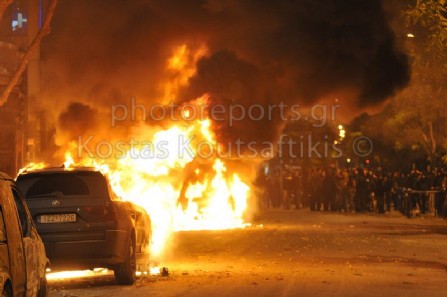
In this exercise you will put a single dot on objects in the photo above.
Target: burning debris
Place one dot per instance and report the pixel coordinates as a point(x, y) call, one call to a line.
point(164, 272)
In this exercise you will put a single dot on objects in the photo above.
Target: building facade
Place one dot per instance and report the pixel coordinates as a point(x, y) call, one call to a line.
point(19, 123)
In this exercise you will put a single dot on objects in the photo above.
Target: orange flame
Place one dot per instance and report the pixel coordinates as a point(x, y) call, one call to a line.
point(181, 66)
point(214, 199)
point(179, 188)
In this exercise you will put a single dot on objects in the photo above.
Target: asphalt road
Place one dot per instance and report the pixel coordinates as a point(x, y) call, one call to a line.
point(295, 253)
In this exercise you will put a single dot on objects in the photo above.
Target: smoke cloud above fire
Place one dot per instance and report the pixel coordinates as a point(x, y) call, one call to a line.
point(103, 52)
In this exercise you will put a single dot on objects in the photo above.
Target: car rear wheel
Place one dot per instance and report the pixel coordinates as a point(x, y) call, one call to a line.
point(125, 273)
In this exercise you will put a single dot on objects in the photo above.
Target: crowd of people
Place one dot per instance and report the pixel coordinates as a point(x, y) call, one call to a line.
point(357, 190)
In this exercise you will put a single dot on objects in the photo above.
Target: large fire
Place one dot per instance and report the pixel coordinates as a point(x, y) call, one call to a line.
point(179, 188)
point(177, 176)
point(207, 197)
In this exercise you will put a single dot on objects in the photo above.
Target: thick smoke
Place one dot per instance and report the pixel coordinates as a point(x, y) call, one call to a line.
point(260, 52)
point(77, 120)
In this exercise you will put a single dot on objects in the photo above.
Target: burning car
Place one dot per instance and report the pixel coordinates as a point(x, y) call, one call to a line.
point(22, 254)
point(84, 225)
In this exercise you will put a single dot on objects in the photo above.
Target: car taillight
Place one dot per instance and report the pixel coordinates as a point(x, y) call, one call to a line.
point(96, 211)
point(109, 213)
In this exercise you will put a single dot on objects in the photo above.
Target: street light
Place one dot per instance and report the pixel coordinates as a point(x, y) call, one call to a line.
point(341, 132)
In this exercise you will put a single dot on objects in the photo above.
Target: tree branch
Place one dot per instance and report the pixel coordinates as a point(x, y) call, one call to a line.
point(432, 138)
point(46, 28)
point(425, 142)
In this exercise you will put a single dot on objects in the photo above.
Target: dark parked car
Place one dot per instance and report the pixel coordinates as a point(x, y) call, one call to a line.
point(83, 224)
point(22, 255)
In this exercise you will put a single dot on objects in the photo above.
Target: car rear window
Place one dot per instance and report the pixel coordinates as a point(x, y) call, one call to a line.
point(67, 183)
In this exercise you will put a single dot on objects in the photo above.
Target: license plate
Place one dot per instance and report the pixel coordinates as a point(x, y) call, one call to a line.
point(58, 218)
